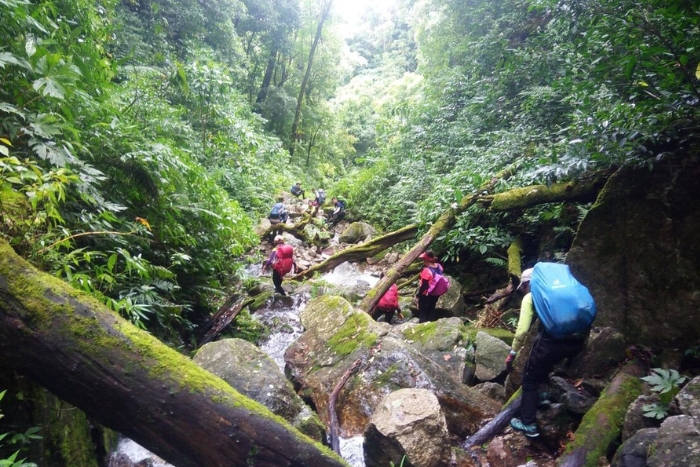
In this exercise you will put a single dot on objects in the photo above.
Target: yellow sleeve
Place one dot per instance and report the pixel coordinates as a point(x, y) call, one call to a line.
point(524, 322)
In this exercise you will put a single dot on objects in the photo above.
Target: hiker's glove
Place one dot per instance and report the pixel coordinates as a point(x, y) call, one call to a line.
point(509, 360)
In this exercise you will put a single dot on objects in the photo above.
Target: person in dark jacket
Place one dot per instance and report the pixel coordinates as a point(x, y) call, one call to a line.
point(281, 261)
point(338, 213)
point(278, 215)
point(297, 190)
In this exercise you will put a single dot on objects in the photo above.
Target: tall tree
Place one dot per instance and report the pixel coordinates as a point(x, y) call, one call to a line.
point(325, 11)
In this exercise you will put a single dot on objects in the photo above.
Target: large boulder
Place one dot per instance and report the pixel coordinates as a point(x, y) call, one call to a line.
point(336, 336)
point(677, 443)
point(451, 303)
point(638, 252)
point(254, 374)
point(604, 350)
point(490, 356)
point(356, 232)
point(407, 422)
point(634, 451)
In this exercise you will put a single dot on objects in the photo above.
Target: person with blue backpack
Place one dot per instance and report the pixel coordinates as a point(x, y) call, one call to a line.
point(278, 215)
point(433, 284)
point(566, 312)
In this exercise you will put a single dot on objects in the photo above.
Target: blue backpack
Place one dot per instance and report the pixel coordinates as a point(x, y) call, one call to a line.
point(277, 211)
point(321, 196)
point(564, 305)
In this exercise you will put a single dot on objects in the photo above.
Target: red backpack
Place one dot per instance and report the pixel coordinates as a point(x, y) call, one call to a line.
point(390, 300)
point(284, 260)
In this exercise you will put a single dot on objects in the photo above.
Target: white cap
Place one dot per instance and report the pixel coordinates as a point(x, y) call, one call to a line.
point(525, 277)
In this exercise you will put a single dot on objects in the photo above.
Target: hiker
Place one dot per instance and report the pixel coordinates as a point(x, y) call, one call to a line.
point(296, 190)
point(318, 201)
point(278, 215)
point(338, 213)
point(432, 284)
point(546, 352)
point(281, 261)
point(388, 304)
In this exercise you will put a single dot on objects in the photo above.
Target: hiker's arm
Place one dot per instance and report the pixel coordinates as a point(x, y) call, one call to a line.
point(524, 322)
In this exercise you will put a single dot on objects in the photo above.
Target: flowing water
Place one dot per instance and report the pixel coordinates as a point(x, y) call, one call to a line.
point(281, 316)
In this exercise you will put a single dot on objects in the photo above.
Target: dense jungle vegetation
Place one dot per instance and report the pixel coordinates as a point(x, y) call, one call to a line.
point(141, 140)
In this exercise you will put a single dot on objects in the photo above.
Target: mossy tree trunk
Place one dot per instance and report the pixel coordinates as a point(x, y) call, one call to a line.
point(446, 220)
point(602, 424)
point(126, 379)
point(361, 252)
point(519, 198)
point(296, 230)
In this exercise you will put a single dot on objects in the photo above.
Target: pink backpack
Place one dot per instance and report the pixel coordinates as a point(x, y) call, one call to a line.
point(439, 283)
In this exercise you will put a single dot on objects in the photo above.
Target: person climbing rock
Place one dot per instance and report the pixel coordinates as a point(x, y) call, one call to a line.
point(278, 215)
point(546, 352)
point(388, 304)
point(296, 190)
point(338, 213)
point(281, 261)
point(432, 285)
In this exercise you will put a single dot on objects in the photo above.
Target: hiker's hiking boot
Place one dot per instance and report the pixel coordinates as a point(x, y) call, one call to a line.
point(529, 430)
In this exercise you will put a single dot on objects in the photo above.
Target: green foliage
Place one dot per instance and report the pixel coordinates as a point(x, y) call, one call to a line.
point(23, 439)
point(667, 383)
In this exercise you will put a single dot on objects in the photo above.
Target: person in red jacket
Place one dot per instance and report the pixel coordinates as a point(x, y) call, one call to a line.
point(388, 304)
point(281, 261)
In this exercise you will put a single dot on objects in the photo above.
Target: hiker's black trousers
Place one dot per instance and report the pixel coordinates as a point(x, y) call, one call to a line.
point(546, 352)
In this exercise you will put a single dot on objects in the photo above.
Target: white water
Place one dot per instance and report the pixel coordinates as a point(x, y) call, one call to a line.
point(281, 316)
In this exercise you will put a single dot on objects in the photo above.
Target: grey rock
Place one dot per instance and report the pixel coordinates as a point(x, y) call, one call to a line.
point(490, 356)
point(634, 451)
point(677, 443)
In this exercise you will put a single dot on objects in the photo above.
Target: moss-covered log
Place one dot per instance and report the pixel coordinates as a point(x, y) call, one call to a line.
point(126, 379)
point(296, 230)
point(519, 198)
point(602, 424)
point(515, 251)
point(361, 252)
point(446, 220)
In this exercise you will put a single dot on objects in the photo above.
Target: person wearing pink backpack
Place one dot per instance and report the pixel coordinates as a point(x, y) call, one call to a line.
point(388, 304)
point(432, 284)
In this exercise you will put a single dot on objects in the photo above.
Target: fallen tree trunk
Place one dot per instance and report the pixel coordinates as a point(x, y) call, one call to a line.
point(296, 230)
point(519, 198)
point(496, 425)
point(332, 413)
point(361, 252)
point(223, 318)
point(445, 220)
point(129, 381)
point(602, 424)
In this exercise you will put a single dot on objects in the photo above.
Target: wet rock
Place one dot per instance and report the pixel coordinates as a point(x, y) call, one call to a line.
point(493, 390)
point(451, 303)
point(554, 422)
point(635, 419)
point(499, 453)
point(254, 374)
point(677, 443)
point(604, 350)
point(392, 257)
point(645, 276)
point(442, 342)
point(337, 335)
point(634, 451)
point(490, 356)
point(407, 422)
point(576, 398)
point(689, 399)
point(262, 226)
point(357, 231)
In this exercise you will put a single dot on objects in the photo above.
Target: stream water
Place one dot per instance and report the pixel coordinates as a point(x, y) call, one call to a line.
point(281, 316)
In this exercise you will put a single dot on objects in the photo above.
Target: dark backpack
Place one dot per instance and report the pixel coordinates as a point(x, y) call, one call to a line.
point(564, 305)
point(439, 283)
point(277, 211)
